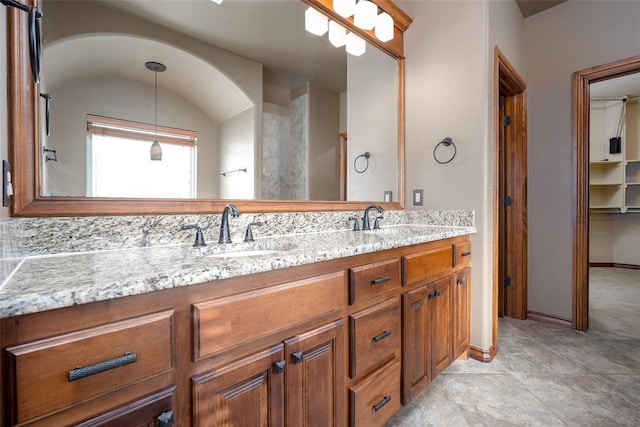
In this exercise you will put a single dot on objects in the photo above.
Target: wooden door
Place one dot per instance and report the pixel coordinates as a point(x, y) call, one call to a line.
point(416, 342)
point(315, 377)
point(441, 324)
point(248, 392)
point(461, 318)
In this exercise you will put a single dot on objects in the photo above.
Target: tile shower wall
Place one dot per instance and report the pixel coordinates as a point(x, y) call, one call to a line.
point(45, 236)
point(284, 152)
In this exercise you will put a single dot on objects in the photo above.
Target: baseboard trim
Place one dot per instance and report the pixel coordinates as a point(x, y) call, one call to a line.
point(547, 318)
point(482, 355)
point(614, 264)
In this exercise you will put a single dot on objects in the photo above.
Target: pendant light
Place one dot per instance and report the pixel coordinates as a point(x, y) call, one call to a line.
point(156, 150)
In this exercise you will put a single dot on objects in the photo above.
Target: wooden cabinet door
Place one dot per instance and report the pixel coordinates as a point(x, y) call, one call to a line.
point(152, 411)
point(248, 392)
point(441, 334)
point(461, 312)
point(315, 377)
point(416, 341)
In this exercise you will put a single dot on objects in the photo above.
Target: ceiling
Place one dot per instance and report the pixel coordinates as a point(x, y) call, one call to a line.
point(531, 7)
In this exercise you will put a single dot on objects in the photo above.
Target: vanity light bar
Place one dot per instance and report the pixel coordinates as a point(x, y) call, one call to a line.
point(365, 15)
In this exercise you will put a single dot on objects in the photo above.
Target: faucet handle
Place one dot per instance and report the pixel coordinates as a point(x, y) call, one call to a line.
point(356, 224)
point(199, 236)
point(248, 235)
point(376, 226)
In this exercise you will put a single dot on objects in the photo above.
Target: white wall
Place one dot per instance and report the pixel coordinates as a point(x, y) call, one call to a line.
point(569, 37)
point(237, 152)
point(449, 50)
point(600, 238)
point(324, 125)
point(4, 133)
point(372, 101)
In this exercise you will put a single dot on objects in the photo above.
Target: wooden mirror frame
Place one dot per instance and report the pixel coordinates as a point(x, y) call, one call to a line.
point(23, 132)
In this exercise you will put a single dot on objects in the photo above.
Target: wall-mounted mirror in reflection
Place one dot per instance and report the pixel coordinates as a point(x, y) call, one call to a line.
point(250, 106)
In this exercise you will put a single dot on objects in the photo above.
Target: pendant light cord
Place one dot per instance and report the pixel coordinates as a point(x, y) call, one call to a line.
point(156, 112)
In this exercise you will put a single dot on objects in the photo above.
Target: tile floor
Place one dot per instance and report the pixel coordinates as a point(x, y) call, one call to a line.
point(543, 375)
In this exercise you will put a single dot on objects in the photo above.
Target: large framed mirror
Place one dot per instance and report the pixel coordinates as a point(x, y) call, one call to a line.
point(277, 118)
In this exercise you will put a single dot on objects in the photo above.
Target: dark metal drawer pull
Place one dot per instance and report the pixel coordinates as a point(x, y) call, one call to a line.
point(297, 357)
point(380, 404)
point(165, 419)
point(279, 366)
point(461, 281)
point(466, 253)
point(82, 372)
point(380, 280)
point(381, 336)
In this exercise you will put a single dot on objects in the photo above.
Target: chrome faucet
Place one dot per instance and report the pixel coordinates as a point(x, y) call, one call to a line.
point(225, 235)
point(365, 218)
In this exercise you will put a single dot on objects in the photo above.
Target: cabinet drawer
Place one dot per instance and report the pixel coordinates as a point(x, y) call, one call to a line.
point(227, 322)
point(55, 373)
point(367, 281)
point(462, 254)
point(423, 265)
point(374, 337)
point(376, 399)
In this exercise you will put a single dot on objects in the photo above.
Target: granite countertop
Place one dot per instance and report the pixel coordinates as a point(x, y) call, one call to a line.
point(54, 281)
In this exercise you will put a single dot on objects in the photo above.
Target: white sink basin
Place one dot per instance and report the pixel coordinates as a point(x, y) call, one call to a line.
point(236, 254)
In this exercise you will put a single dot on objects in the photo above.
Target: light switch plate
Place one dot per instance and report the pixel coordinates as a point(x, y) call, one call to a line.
point(417, 197)
point(7, 186)
point(388, 196)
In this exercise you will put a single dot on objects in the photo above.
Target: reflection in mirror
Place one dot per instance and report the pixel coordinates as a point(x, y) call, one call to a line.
point(266, 120)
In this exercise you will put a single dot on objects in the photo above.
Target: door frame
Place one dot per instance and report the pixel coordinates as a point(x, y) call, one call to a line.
point(581, 81)
point(508, 82)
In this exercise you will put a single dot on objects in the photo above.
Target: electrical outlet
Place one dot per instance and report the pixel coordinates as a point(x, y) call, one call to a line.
point(388, 196)
point(417, 197)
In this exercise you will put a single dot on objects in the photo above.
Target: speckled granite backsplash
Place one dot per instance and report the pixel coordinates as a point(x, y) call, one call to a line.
point(11, 254)
point(45, 236)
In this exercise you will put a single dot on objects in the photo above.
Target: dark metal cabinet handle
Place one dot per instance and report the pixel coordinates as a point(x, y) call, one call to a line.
point(279, 366)
point(380, 337)
point(466, 254)
point(432, 295)
point(461, 281)
point(380, 280)
point(380, 404)
point(165, 419)
point(82, 372)
point(297, 357)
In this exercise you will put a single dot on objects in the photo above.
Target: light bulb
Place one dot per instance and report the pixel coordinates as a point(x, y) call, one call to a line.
point(344, 8)
point(337, 34)
point(356, 45)
point(365, 15)
point(315, 22)
point(384, 27)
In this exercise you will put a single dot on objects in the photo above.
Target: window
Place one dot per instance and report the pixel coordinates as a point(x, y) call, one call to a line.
point(119, 164)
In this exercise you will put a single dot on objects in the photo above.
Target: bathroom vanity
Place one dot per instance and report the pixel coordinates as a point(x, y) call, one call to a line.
point(336, 328)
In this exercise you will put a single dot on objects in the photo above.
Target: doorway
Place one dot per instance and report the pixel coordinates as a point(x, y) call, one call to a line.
point(581, 106)
point(510, 194)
